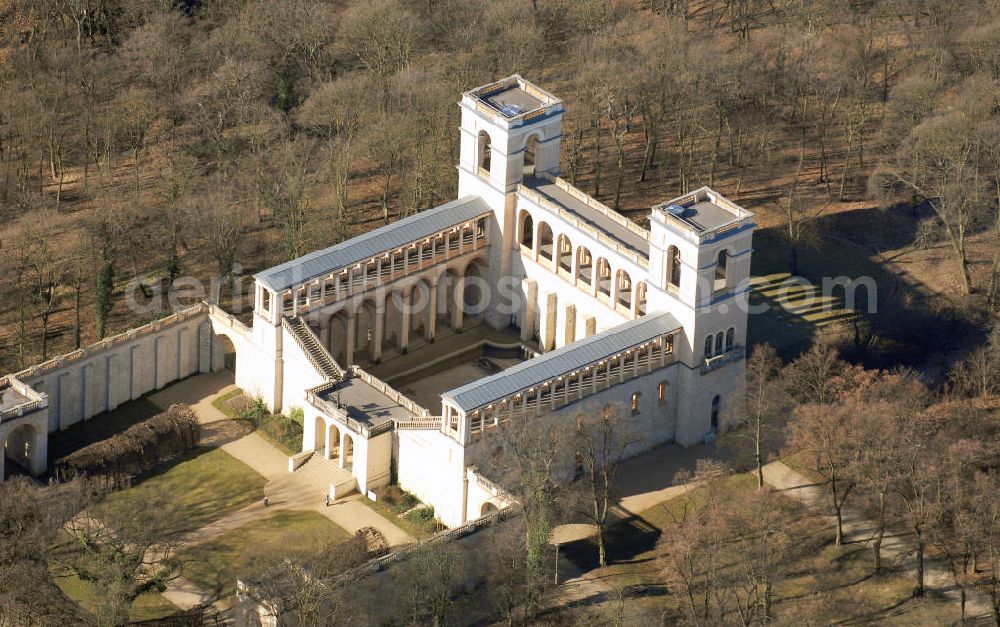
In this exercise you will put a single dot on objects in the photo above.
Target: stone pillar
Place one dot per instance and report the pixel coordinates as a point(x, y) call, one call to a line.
point(430, 328)
point(458, 298)
point(39, 445)
point(589, 326)
point(352, 332)
point(569, 330)
point(529, 309)
point(575, 266)
point(327, 426)
point(340, 453)
point(324, 334)
point(548, 326)
point(404, 326)
point(379, 329)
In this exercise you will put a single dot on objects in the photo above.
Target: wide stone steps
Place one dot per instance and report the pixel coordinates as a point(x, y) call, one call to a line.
point(314, 349)
point(319, 473)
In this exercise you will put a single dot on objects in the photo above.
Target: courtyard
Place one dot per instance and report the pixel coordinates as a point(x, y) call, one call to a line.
point(429, 370)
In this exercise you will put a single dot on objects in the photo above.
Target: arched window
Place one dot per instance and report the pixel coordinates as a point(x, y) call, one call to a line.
point(661, 392)
point(635, 403)
point(584, 265)
point(730, 339)
point(674, 266)
point(485, 153)
point(544, 240)
point(527, 230)
point(603, 276)
point(624, 287)
point(640, 295)
point(720, 270)
point(565, 253)
point(716, 406)
point(530, 147)
point(718, 343)
point(708, 347)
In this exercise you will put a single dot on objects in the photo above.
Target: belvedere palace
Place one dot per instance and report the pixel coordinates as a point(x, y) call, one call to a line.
point(404, 346)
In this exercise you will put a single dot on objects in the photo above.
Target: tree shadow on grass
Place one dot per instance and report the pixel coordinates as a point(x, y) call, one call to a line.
point(628, 541)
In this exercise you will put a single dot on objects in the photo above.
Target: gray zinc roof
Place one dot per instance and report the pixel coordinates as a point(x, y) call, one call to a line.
point(388, 237)
point(561, 361)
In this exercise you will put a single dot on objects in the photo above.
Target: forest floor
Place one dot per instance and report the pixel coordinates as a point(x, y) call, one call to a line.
point(830, 585)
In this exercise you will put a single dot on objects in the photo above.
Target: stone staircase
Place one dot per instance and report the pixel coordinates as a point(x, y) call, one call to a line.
point(314, 349)
point(319, 473)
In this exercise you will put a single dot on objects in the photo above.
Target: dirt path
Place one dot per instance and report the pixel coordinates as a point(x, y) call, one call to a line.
point(895, 548)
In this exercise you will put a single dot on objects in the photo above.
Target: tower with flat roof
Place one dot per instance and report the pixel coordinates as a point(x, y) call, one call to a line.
point(510, 130)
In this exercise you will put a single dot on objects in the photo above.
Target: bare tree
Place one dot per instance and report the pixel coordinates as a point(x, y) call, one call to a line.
point(758, 422)
point(603, 439)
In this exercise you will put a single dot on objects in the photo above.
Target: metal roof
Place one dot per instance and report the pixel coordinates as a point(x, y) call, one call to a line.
point(389, 237)
point(561, 361)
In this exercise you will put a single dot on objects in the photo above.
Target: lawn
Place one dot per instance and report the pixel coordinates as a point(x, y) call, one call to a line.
point(147, 607)
point(216, 565)
point(828, 585)
point(199, 487)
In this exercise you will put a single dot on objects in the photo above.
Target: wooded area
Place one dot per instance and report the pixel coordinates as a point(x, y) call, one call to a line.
point(145, 141)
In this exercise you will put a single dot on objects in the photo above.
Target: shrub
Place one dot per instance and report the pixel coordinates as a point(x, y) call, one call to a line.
point(141, 447)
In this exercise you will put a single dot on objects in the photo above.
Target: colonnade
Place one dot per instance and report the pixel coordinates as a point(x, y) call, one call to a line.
point(596, 276)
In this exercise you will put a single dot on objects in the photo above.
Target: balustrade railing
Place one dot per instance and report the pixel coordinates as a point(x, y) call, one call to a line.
point(359, 281)
point(585, 227)
point(558, 394)
point(157, 325)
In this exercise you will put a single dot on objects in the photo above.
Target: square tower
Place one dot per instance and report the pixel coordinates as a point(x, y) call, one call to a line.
point(510, 129)
point(699, 258)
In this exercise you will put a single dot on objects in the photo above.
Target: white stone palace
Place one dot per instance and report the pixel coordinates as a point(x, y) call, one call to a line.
point(404, 345)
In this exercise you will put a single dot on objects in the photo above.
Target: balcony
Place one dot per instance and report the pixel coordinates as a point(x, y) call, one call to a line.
point(736, 353)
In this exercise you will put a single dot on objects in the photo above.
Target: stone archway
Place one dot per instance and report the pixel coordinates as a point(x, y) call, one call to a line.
point(489, 507)
point(337, 337)
point(347, 451)
point(24, 449)
point(319, 436)
point(223, 354)
point(475, 292)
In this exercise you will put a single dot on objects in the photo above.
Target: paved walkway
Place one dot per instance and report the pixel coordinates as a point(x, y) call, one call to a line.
point(896, 549)
point(285, 491)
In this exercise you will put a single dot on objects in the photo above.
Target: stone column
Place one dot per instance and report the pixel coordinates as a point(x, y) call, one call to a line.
point(351, 338)
point(379, 329)
point(529, 309)
point(589, 326)
point(340, 453)
point(458, 299)
point(327, 427)
point(404, 326)
point(431, 327)
point(547, 331)
point(569, 330)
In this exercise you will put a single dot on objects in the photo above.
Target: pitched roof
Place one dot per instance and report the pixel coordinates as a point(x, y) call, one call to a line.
point(388, 237)
point(561, 361)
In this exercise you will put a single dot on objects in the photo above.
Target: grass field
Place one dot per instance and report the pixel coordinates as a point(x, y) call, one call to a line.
point(216, 565)
point(199, 487)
